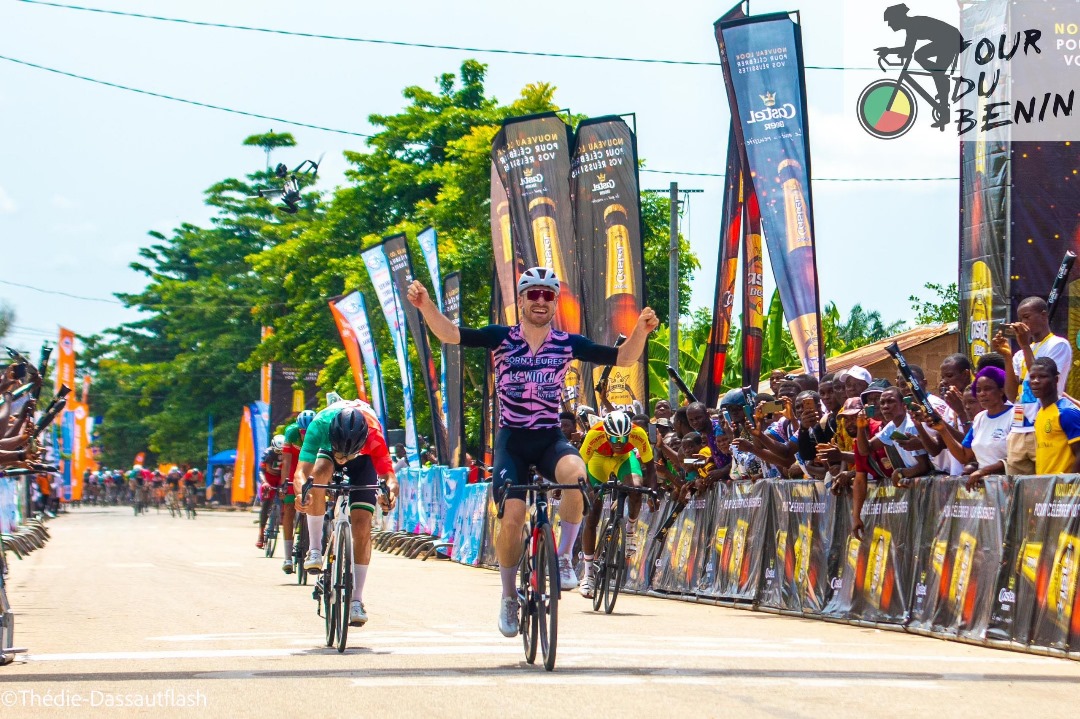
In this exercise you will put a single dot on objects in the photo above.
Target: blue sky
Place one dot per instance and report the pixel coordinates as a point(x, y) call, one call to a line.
point(86, 170)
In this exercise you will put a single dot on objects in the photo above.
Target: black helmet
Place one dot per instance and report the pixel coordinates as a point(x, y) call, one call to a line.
point(348, 431)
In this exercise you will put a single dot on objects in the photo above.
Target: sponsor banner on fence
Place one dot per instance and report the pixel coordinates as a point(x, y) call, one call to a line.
point(379, 270)
point(606, 200)
point(959, 557)
point(734, 546)
point(675, 568)
point(487, 554)
point(401, 270)
point(469, 524)
point(763, 70)
point(802, 514)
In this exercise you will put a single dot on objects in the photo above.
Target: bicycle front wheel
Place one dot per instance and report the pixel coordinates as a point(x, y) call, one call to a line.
point(272, 530)
point(600, 582)
point(616, 565)
point(300, 548)
point(343, 584)
point(326, 582)
point(528, 618)
point(547, 595)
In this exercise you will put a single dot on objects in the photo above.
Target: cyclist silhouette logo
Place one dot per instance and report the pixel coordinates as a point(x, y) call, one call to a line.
point(887, 108)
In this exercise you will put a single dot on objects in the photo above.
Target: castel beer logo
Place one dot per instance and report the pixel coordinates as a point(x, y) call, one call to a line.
point(771, 111)
point(67, 345)
point(603, 183)
point(529, 179)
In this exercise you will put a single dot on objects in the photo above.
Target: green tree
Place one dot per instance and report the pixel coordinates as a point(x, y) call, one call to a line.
point(944, 307)
point(7, 318)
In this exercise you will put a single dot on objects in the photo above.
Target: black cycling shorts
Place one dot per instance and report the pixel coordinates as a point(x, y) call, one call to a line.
point(516, 449)
point(360, 472)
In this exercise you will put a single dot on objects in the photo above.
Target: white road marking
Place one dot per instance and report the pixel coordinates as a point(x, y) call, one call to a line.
point(149, 656)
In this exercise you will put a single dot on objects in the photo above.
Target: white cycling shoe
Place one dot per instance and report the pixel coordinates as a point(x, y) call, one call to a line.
point(568, 578)
point(357, 615)
point(313, 562)
point(508, 616)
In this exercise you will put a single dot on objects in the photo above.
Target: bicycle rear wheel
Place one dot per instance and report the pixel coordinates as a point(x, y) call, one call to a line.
point(616, 565)
point(528, 619)
point(547, 595)
point(343, 584)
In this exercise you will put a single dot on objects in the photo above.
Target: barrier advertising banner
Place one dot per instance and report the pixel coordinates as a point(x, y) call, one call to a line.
point(675, 569)
point(354, 308)
point(532, 157)
point(883, 570)
point(469, 525)
point(606, 199)
point(959, 566)
point(802, 526)
point(401, 270)
point(379, 270)
point(349, 341)
point(453, 371)
point(763, 71)
point(742, 511)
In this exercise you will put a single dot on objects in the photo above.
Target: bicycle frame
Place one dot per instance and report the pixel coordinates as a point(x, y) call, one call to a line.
point(906, 77)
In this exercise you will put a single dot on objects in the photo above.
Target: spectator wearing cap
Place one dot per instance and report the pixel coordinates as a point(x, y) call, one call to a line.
point(745, 460)
point(1036, 341)
point(856, 380)
point(984, 448)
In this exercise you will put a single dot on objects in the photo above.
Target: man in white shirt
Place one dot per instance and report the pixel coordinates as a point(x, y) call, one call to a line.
point(906, 463)
point(1035, 340)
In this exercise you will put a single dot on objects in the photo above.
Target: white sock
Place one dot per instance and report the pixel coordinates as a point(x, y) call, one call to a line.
point(567, 537)
point(359, 575)
point(288, 548)
point(588, 564)
point(314, 530)
point(509, 580)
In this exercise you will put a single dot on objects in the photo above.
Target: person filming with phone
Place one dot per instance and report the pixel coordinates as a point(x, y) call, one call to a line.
point(1032, 334)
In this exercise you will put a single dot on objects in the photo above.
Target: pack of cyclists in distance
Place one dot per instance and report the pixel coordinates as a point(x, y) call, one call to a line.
point(176, 489)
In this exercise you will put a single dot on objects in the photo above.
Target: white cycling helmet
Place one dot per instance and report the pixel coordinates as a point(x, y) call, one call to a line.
point(278, 442)
point(538, 277)
point(618, 424)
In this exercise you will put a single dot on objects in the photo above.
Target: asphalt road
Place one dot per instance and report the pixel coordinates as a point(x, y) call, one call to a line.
point(120, 611)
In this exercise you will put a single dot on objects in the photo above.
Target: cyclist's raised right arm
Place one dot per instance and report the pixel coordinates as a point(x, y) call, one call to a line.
point(437, 322)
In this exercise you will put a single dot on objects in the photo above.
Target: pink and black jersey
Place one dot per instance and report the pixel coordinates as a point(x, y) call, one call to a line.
point(530, 384)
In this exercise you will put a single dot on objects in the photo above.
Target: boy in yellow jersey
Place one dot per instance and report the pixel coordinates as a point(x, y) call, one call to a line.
point(614, 446)
point(1057, 425)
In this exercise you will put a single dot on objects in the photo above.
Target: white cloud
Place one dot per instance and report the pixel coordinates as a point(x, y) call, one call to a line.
point(7, 205)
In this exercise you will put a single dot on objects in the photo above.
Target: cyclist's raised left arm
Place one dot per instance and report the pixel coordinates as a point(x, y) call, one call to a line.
point(631, 350)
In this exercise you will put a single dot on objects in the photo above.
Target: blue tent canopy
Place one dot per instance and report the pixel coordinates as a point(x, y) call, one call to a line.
point(227, 456)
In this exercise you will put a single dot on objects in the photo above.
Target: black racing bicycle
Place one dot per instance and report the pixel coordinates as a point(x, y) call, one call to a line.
point(273, 524)
point(333, 588)
point(610, 562)
point(300, 547)
point(539, 588)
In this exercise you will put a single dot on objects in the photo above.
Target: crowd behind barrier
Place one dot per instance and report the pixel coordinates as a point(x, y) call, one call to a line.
point(996, 565)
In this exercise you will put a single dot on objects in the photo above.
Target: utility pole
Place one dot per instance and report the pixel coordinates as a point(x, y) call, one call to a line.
point(673, 286)
point(673, 293)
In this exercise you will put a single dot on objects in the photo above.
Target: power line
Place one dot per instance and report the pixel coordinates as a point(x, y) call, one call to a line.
point(359, 134)
point(403, 43)
point(196, 103)
point(140, 307)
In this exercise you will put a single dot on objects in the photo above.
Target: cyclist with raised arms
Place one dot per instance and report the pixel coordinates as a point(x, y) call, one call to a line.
point(531, 360)
point(614, 446)
point(290, 456)
point(346, 436)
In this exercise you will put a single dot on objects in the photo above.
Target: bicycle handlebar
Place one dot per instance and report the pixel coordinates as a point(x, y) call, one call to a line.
point(381, 487)
point(617, 486)
point(544, 488)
